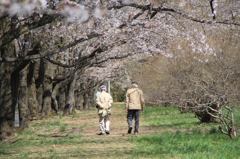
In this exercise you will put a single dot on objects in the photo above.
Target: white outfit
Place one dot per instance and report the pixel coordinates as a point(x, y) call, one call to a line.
point(104, 101)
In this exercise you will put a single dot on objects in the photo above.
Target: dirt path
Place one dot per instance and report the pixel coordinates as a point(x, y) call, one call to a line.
point(76, 136)
point(117, 143)
point(88, 122)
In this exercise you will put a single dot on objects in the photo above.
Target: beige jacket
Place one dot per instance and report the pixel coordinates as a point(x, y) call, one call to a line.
point(104, 101)
point(134, 99)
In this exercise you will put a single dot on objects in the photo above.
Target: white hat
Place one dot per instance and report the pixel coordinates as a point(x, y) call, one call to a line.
point(134, 84)
point(103, 88)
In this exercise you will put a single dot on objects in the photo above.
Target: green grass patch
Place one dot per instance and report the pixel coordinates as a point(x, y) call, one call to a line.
point(188, 139)
point(171, 118)
point(187, 145)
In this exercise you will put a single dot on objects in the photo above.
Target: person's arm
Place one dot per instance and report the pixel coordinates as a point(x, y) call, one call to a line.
point(127, 101)
point(110, 101)
point(142, 101)
point(143, 106)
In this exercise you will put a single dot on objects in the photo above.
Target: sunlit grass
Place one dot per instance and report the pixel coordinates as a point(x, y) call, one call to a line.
point(197, 141)
point(171, 118)
point(188, 145)
point(175, 135)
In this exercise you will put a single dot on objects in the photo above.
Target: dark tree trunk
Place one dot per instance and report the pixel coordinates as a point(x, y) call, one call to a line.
point(39, 84)
point(62, 99)
point(7, 103)
point(8, 99)
point(85, 101)
point(91, 97)
point(20, 72)
point(39, 95)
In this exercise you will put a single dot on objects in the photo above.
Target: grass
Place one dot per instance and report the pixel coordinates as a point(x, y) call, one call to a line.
point(164, 133)
point(170, 119)
point(187, 145)
point(184, 138)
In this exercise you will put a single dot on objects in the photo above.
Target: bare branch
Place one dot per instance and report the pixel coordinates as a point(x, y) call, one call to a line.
point(15, 33)
point(47, 53)
point(184, 15)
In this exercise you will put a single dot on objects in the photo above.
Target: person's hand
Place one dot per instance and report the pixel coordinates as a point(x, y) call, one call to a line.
point(126, 110)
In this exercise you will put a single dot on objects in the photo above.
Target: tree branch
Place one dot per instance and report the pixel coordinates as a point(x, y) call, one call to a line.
point(15, 33)
point(46, 53)
point(184, 15)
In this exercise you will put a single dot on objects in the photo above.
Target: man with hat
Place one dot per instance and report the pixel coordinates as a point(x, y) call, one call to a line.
point(134, 103)
point(104, 101)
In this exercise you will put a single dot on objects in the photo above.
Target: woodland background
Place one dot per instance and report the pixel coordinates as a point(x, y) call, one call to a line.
point(55, 54)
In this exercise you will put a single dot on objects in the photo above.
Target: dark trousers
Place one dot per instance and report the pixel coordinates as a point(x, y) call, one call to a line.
point(133, 114)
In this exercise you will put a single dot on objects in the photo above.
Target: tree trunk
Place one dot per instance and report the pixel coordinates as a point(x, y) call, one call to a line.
point(62, 98)
point(32, 98)
point(7, 101)
point(39, 95)
point(47, 97)
point(39, 84)
point(78, 99)
point(22, 99)
point(91, 97)
point(85, 101)
point(21, 72)
point(47, 87)
point(70, 107)
point(54, 98)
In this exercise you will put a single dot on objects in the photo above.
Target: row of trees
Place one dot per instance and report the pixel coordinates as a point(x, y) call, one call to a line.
point(54, 54)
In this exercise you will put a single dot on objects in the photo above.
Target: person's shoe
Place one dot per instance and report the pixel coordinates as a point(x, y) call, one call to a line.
point(135, 133)
point(101, 133)
point(107, 132)
point(130, 130)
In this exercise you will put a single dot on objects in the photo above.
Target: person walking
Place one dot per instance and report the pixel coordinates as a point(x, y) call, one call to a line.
point(104, 102)
point(134, 103)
